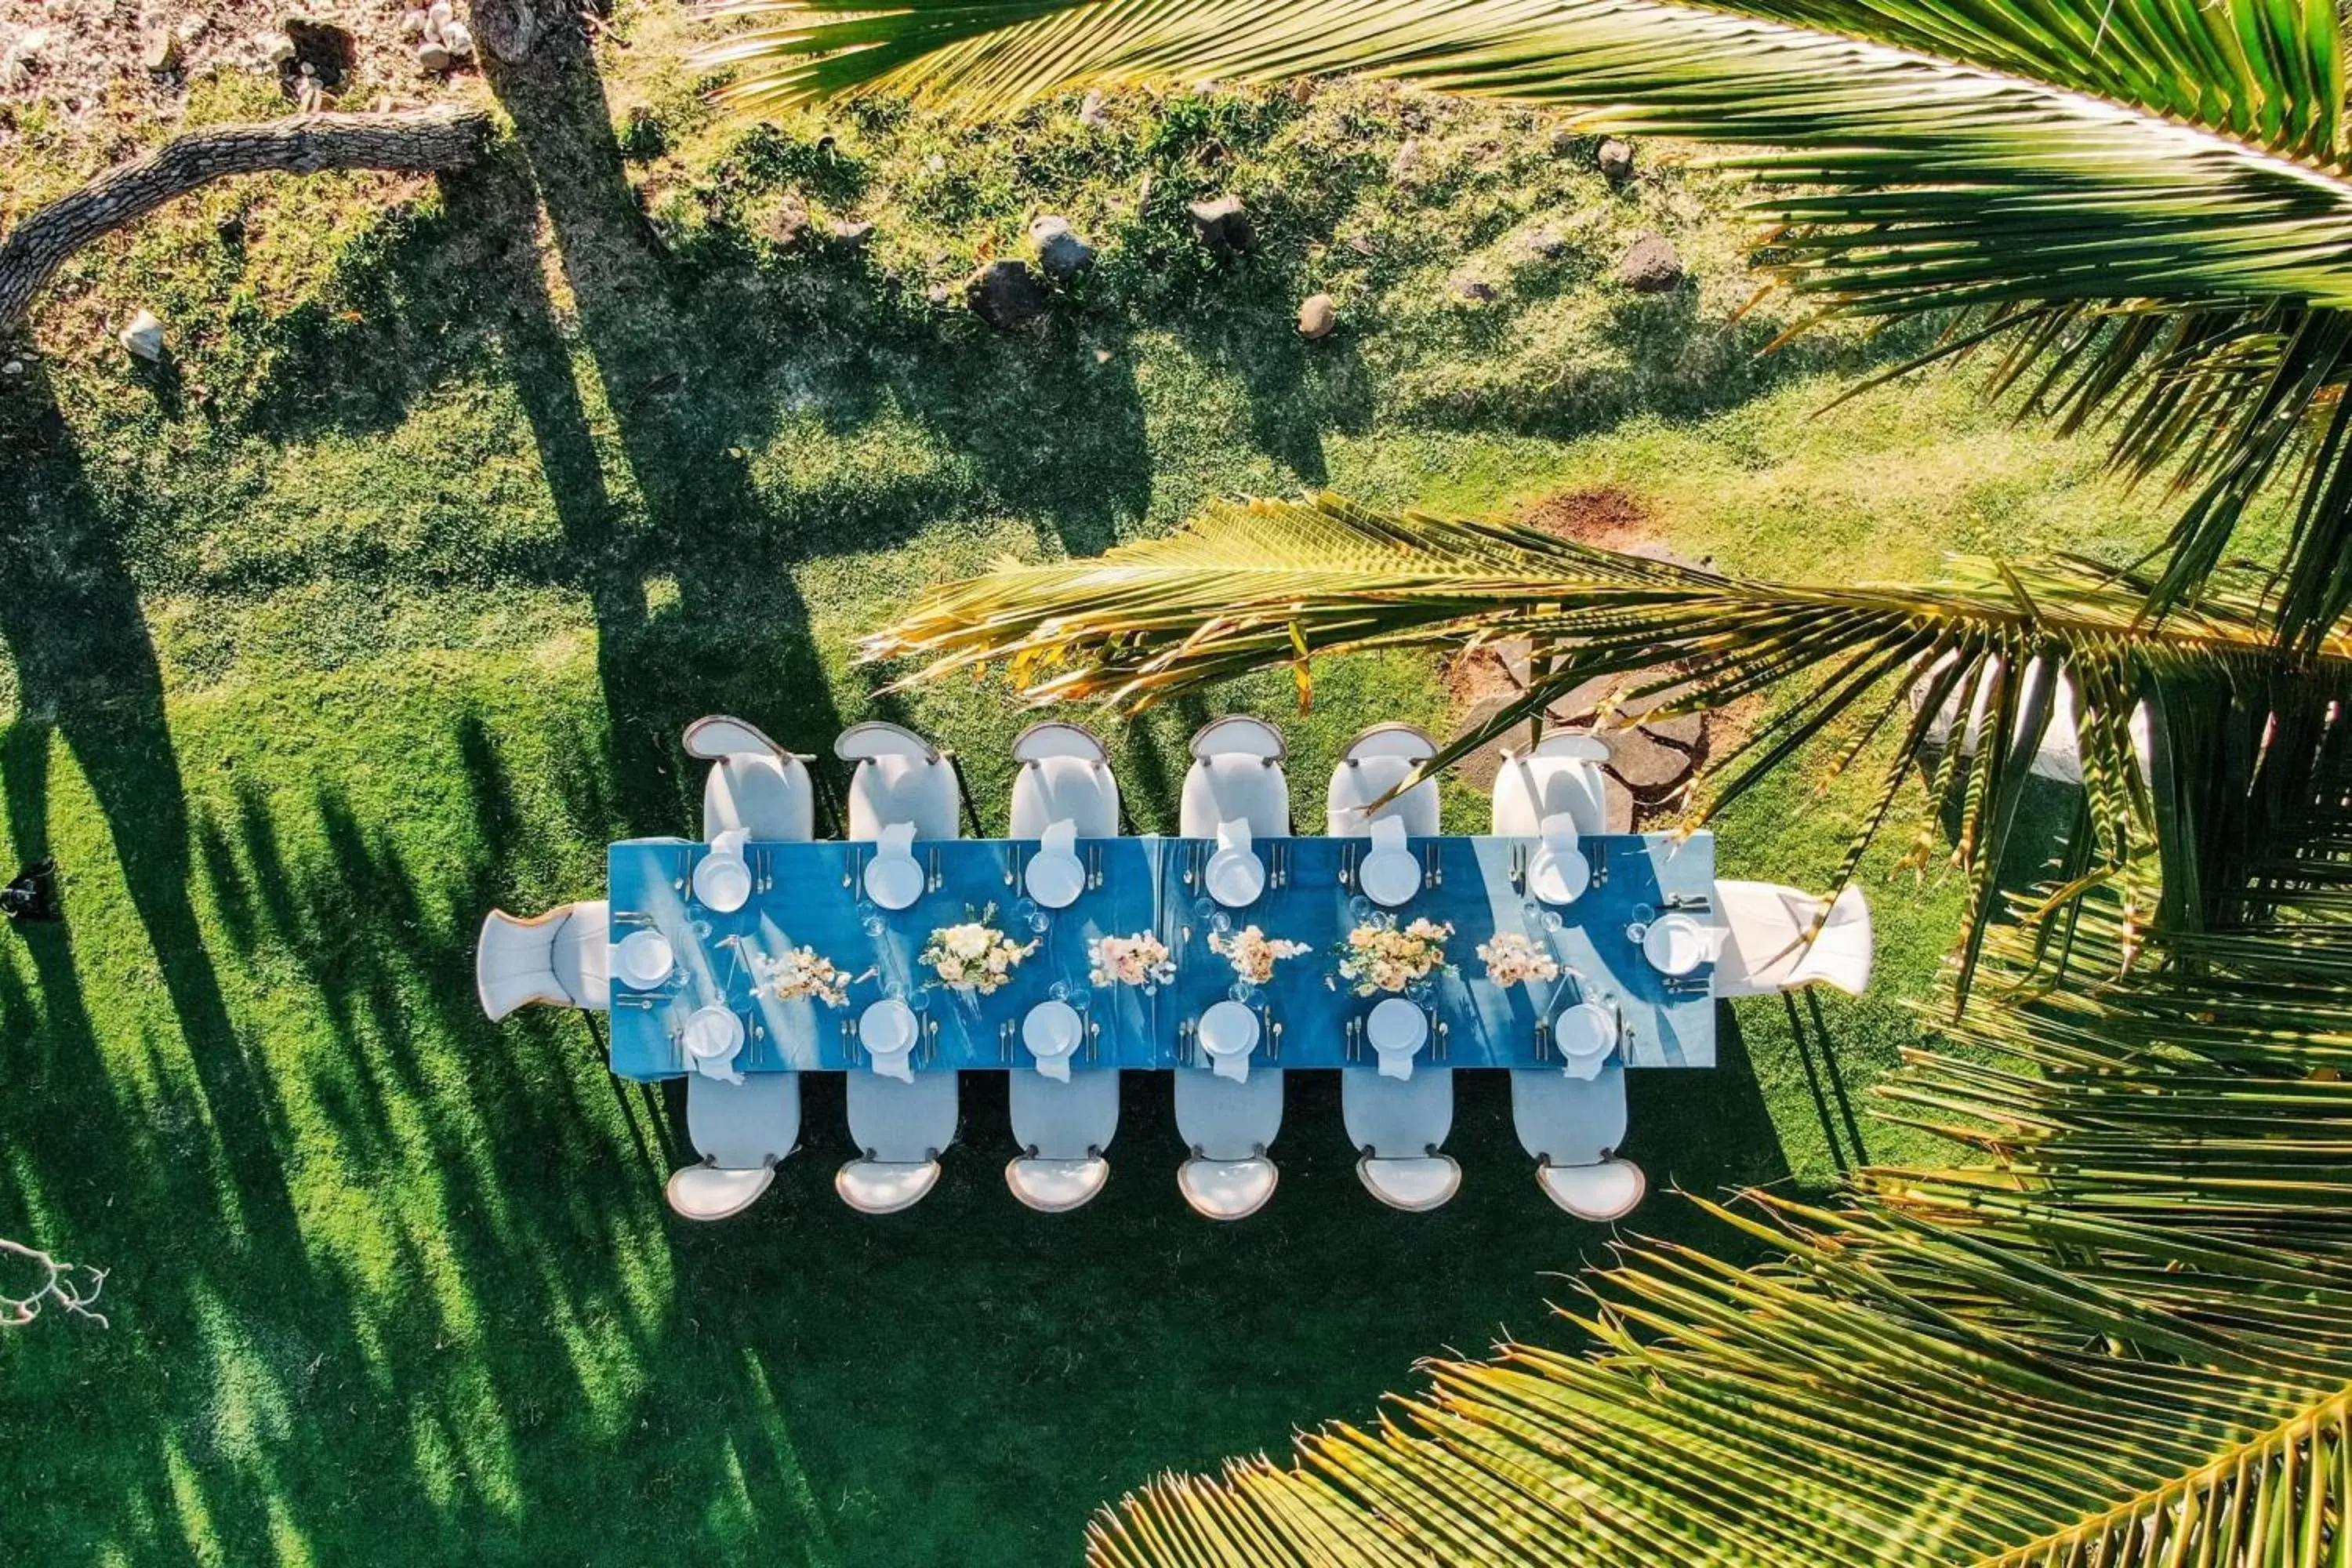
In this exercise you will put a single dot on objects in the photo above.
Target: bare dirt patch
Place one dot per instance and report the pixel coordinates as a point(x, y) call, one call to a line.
point(1606, 516)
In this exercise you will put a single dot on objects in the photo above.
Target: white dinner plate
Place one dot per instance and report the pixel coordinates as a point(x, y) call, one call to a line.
point(1675, 945)
point(1229, 1029)
point(893, 881)
point(1559, 875)
point(1234, 877)
point(1054, 879)
point(722, 882)
point(1396, 1025)
point(645, 960)
point(887, 1027)
point(713, 1034)
point(1389, 877)
point(1584, 1034)
point(1051, 1030)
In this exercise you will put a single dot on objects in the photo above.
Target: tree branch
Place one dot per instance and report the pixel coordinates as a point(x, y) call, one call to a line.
point(429, 139)
point(59, 1285)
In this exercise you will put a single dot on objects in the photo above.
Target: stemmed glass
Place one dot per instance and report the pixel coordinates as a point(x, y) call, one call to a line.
point(1037, 917)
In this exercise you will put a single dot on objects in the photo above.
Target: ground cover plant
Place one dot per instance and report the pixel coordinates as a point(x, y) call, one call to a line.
point(387, 599)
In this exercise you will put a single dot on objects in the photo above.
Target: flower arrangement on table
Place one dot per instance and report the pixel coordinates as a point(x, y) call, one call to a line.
point(1139, 960)
point(1381, 955)
point(804, 974)
point(1253, 953)
point(1515, 960)
point(975, 954)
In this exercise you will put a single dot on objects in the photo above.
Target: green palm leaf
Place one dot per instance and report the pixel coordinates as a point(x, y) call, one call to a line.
point(2142, 200)
point(1278, 583)
point(2029, 1361)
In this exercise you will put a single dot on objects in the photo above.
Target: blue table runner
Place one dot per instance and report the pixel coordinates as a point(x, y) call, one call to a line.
point(815, 902)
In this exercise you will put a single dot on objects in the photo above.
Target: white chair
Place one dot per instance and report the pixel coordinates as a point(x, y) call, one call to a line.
point(1065, 775)
point(901, 1130)
point(754, 786)
point(561, 958)
point(1228, 1127)
point(2057, 752)
point(1573, 1128)
point(1397, 1126)
point(900, 777)
point(1376, 762)
point(743, 1131)
point(1236, 775)
point(1062, 1130)
point(1562, 773)
point(1763, 947)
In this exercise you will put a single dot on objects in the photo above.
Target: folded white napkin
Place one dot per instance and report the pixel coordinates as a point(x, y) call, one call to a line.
point(1559, 830)
point(731, 842)
point(1388, 836)
point(899, 838)
point(1060, 838)
point(1398, 1064)
point(1235, 835)
point(899, 1064)
point(1235, 1067)
point(721, 1067)
point(1056, 1068)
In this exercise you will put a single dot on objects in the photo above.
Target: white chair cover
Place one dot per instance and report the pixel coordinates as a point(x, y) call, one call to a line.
point(1063, 1128)
point(1229, 1126)
point(560, 959)
point(1562, 774)
point(902, 1128)
point(1058, 789)
point(1239, 735)
point(1763, 946)
point(766, 795)
point(1375, 762)
point(1573, 1127)
point(744, 1131)
point(1397, 1125)
point(895, 788)
point(1235, 787)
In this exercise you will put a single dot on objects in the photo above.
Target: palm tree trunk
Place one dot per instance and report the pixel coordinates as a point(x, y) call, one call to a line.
point(426, 140)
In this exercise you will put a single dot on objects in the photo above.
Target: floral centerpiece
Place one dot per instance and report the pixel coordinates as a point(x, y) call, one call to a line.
point(1381, 955)
point(1139, 960)
point(975, 954)
point(1515, 960)
point(803, 974)
point(1251, 953)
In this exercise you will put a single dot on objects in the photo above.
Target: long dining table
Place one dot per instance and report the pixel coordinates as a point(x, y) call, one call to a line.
point(809, 895)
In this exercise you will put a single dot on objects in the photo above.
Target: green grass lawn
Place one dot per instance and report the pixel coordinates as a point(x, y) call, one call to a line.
point(388, 604)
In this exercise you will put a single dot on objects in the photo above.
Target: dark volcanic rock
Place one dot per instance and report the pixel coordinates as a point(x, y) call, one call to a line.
point(1006, 295)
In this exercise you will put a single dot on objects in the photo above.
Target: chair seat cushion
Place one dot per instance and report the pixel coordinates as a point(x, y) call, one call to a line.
point(1415, 1186)
point(713, 1192)
point(1607, 1191)
point(1226, 1189)
point(1057, 1186)
point(883, 1186)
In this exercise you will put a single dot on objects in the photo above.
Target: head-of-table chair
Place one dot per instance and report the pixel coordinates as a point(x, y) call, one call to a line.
point(1375, 762)
point(1562, 775)
point(1396, 1126)
point(1236, 776)
point(901, 1129)
point(1228, 1127)
point(1764, 947)
point(1573, 1127)
point(898, 777)
point(561, 958)
point(744, 1131)
point(1062, 1129)
point(1065, 775)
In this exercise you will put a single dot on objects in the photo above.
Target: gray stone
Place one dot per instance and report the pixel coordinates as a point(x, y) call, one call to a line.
point(850, 234)
point(1091, 112)
point(433, 57)
point(160, 53)
point(1651, 266)
point(275, 47)
point(1616, 161)
point(1005, 294)
point(1546, 244)
point(1472, 290)
point(1648, 767)
point(14, 367)
point(1223, 227)
point(1317, 316)
point(457, 39)
point(143, 338)
point(1616, 806)
point(1407, 159)
point(1061, 254)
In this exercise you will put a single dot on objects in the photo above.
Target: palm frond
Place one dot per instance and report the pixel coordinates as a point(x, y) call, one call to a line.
point(2144, 203)
point(1981, 659)
point(2050, 1357)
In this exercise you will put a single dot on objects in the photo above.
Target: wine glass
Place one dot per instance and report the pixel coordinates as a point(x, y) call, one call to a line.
point(1360, 909)
point(1028, 912)
point(869, 917)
